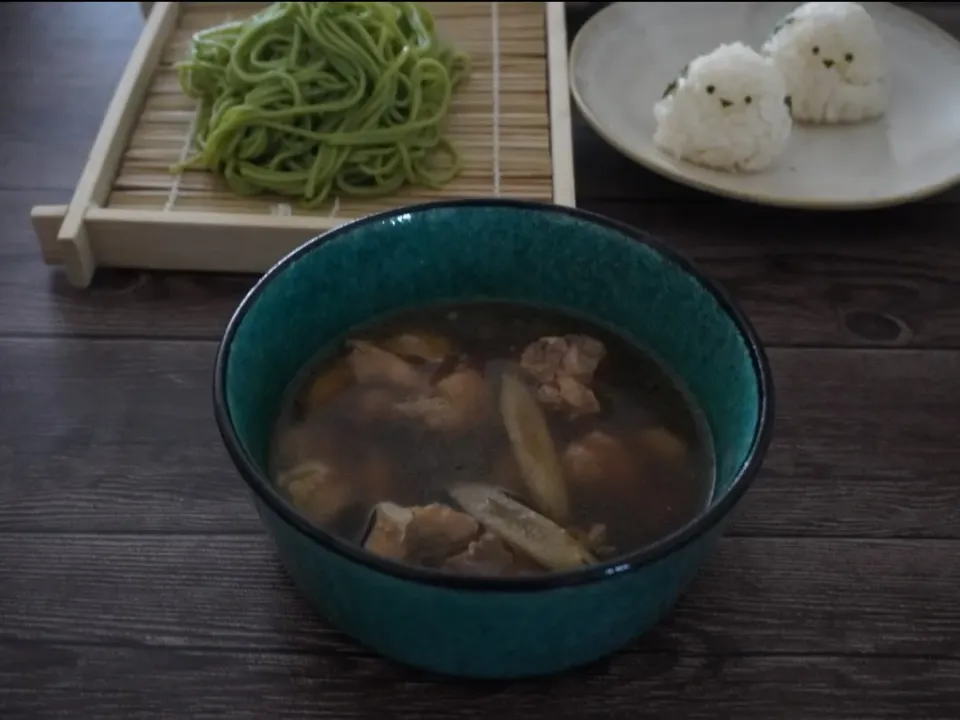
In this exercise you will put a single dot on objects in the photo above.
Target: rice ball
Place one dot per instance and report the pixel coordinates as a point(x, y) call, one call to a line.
point(727, 110)
point(831, 56)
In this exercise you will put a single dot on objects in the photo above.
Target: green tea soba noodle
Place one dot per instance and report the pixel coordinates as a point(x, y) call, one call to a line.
point(317, 99)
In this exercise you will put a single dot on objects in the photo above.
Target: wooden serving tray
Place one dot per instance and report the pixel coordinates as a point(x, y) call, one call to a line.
point(511, 122)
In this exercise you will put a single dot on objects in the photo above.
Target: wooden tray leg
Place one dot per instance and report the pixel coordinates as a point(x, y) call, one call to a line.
point(78, 260)
point(46, 220)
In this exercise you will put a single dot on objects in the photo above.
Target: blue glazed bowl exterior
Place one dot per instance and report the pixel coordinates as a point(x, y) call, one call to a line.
point(504, 250)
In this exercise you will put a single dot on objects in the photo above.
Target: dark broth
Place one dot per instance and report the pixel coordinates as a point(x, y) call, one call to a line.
point(331, 418)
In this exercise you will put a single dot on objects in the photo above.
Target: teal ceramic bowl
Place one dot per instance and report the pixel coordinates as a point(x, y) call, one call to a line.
point(504, 250)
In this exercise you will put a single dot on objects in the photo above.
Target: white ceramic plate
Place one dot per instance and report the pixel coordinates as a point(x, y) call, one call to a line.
point(626, 54)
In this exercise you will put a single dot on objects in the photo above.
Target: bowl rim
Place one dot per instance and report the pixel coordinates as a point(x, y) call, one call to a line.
point(631, 562)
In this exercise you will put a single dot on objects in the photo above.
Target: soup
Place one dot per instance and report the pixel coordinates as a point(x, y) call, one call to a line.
point(492, 439)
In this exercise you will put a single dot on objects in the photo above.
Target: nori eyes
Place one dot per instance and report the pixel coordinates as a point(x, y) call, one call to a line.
point(710, 89)
point(848, 57)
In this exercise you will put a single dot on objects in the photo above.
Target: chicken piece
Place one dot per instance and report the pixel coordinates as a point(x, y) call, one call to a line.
point(426, 535)
point(466, 387)
point(575, 356)
point(543, 358)
point(658, 442)
point(422, 346)
point(304, 441)
point(446, 366)
point(375, 403)
point(599, 461)
point(582, 357)
point(437, 532)
point(459, 400)
point(564, 367)
point(387, 533)
point(434, 410)
point(328, 385)
point(317, 490)
point(569, 394)
point(488, 555)
point(467, 392)
point(371, 364)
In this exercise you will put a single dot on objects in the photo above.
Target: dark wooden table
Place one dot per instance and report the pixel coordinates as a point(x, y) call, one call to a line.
point(135, 581)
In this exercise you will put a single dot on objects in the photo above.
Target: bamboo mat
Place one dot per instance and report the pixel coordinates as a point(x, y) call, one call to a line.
point(499, 119)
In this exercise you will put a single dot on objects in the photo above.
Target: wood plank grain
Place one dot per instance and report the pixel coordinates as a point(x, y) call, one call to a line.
point(61, 63)
point(889, 278)
point(756, 595)
point(118, 436)
point(120, 303)
point(846, 280)
point(72, 682)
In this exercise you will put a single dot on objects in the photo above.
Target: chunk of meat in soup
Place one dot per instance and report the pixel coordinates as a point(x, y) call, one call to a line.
point(600, 463)
point(564, 368)
point(659, 444)
point(386, 536)
point(311, 444)
point(329, 384)
point(375, 403)
point(488, 555)
point(422, 346)
point(454, 400)
point(457, 401)
point(311, 439)
point(317, 490)
point(569, 394)
point(302, 442)
point(437, 532)
point(425, 535)
point(574, 356)
point(372, 364)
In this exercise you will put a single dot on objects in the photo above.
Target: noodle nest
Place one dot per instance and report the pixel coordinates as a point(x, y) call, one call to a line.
point(317, 99)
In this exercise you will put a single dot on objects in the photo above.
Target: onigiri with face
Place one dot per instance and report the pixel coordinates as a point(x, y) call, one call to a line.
point(727, 110)
point(831, 57)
